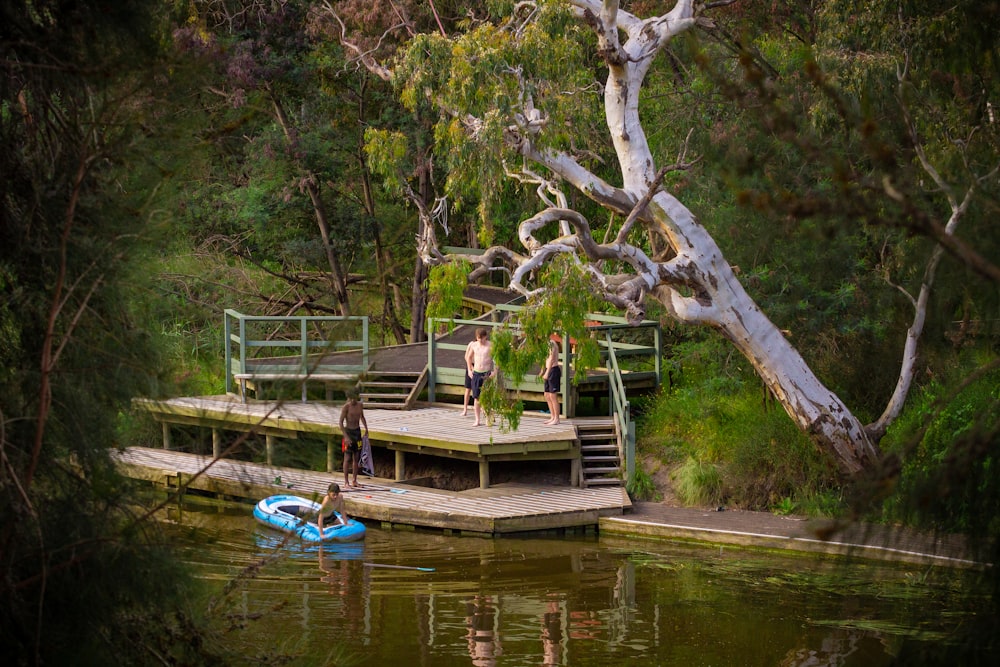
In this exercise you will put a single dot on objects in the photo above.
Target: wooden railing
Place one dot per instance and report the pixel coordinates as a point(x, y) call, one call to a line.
point(621, 412)
point(609, 324)
point(296, 348)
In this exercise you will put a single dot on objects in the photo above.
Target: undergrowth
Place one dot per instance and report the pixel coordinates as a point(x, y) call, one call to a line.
point(728, 442)
point(946, 441)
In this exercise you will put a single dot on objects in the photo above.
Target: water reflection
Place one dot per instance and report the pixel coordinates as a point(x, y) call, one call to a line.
point(413, 598)
point(834, 649)
point(483, 635)
point(552, 633)
point(346, 576)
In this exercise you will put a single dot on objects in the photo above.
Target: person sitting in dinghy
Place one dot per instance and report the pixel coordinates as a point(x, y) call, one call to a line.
point(332, 508)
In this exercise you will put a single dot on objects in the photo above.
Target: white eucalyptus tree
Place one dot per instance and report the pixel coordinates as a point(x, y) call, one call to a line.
point(505, 88)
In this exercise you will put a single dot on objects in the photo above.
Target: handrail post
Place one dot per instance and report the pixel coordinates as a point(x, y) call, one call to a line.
point(243, 343)
point(564, 379)
point(304, 347)
point(630, 452)
point(659, 353)
point(228, 333)
point(364, 344)
point(431, 369)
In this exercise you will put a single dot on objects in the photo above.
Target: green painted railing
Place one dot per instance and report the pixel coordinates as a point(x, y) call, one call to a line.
point(621, 411)
point(610, 324)
point(296, 346)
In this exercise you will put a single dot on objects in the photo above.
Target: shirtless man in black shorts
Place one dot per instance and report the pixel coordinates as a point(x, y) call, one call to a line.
point(352, 418)
point(479, 363)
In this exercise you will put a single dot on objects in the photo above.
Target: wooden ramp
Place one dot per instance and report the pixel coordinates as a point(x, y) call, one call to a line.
point(502, 509)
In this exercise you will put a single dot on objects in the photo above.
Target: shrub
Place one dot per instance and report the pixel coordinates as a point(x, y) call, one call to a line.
point(698, 483)
point(641, 486)
point(946, 440)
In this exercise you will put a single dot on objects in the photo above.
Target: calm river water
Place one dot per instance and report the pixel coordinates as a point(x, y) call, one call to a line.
point(552, 600)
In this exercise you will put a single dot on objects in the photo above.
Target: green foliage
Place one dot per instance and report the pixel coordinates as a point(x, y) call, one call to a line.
point(486, 71)
point(386, 151)
point(940, 474)
point(561, 308)
point(87, 579)
point(801, 127)
point(446, 287)
point(642, 486)
point(498, 406)
point(946, 440)
point(521, 345)
point(698, 483)
point(718, 414)
point(785, 506)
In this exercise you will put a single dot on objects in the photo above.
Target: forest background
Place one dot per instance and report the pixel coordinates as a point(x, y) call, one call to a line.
point(163, 161)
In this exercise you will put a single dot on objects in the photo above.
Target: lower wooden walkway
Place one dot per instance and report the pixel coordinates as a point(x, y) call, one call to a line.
point(502, 509)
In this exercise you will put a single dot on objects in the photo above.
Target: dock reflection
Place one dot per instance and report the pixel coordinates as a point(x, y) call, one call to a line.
point(416, 599)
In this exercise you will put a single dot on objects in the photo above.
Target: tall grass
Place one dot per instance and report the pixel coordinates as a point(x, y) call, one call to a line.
point(728, 441)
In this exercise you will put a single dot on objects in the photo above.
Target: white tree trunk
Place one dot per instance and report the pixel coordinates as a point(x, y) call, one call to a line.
point(718, 299)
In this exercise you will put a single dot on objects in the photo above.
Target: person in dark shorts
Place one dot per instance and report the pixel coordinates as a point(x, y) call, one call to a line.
point(552, 375)
point(352, 418)
point(468, 379)
point(479, 364)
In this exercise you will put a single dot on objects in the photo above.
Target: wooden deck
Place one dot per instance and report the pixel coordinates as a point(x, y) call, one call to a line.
point(438, 430)
point(503, 509)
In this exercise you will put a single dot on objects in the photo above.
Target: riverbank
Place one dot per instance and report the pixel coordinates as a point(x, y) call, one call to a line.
point(762, 530)
point(527, 505)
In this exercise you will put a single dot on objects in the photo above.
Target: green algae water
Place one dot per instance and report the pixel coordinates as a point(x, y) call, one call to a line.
point(410, 598)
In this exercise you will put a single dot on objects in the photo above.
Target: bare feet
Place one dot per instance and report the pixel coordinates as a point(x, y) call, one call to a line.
point(465, 413)
point(477, 424)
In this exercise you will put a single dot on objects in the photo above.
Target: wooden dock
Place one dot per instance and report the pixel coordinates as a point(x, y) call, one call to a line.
point(434, 430)
point(502, 509)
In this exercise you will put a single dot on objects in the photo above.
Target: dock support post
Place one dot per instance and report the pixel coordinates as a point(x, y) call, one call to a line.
point(575, 472)
point(400, 466)
point(330, 454)
point(168, 442)
point(216, 443)
point(269, 446)
point(484, 474)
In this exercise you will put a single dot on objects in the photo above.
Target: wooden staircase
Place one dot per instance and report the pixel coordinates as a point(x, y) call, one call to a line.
point(601, 463)
point(391, 390)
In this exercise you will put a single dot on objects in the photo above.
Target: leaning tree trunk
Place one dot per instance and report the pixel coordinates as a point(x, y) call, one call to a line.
point(718, 298)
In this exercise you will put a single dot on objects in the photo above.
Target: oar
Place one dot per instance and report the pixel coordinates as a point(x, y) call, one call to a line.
point(400, 567)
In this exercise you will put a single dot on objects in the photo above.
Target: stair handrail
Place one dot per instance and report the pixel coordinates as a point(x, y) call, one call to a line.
point(620, 411)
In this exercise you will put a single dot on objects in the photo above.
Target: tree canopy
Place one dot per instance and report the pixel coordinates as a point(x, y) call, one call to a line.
point(521, 94)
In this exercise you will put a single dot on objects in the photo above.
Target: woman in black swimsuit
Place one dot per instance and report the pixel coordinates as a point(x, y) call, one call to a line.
point(552, 374)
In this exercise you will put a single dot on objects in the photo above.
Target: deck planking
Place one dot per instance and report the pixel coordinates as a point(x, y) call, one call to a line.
point(434, 430)
point(423, 426)
point(502, 509)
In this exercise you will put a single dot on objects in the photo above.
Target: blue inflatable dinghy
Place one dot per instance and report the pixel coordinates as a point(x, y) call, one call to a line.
point(296, 515)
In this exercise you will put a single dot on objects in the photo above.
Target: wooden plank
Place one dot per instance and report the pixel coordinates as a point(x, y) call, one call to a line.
point(437, 431)
point(505, 509)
